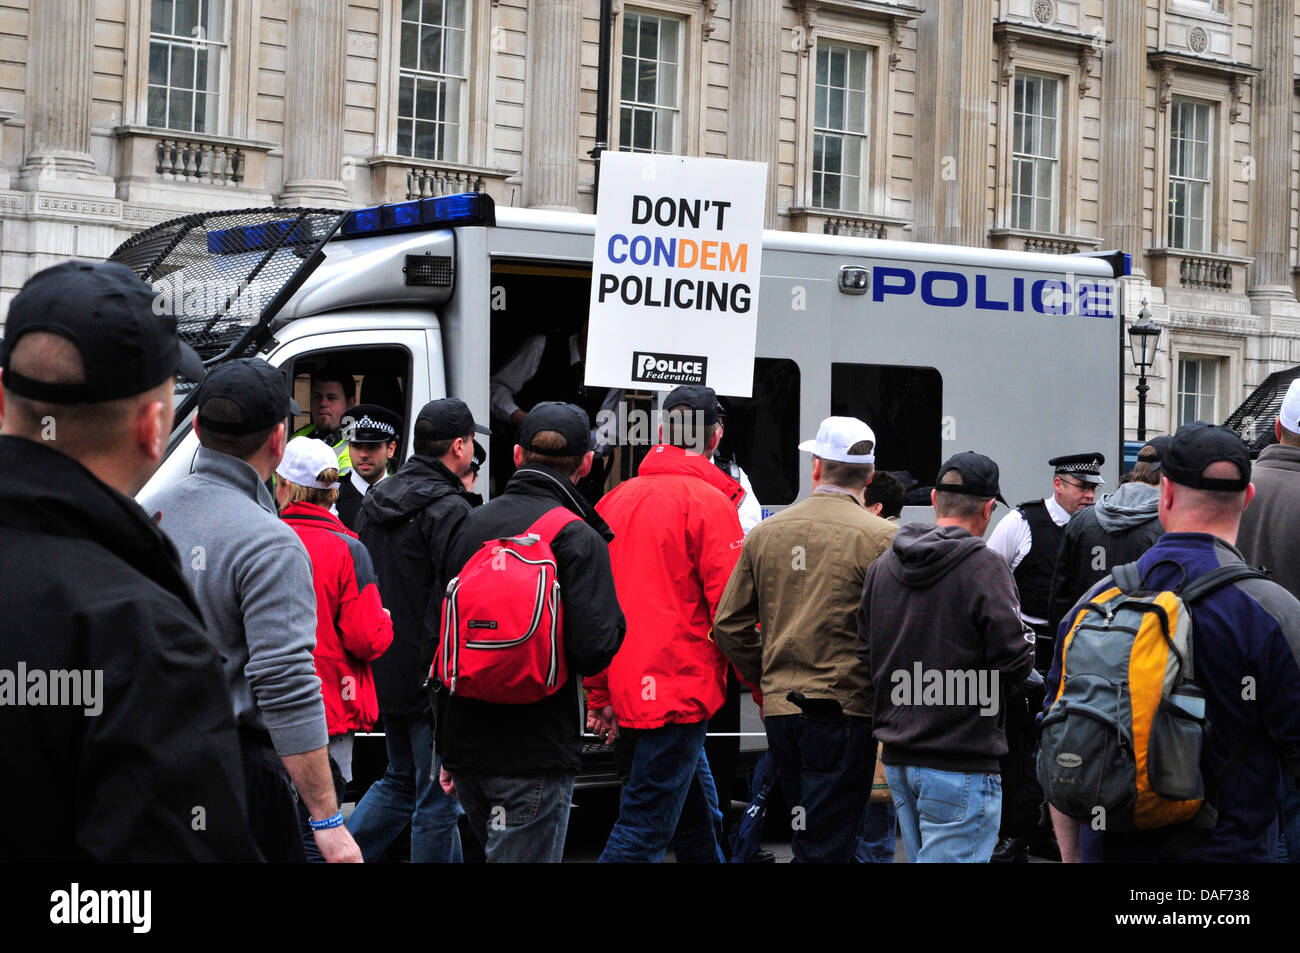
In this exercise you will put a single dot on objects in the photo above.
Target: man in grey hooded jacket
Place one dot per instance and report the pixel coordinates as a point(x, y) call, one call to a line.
point(1118, 529)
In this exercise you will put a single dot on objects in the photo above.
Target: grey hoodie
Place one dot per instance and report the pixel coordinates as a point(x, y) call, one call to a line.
point(940, 603)
point(1128, 506)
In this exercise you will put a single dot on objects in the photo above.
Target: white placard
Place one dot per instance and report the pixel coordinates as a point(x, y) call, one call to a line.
point(674, 285)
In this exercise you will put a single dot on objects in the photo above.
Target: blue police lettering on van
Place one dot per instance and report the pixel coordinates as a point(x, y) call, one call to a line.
point(1087, 297)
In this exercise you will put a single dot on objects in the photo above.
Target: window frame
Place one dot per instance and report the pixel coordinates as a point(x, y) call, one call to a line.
point(460, 149)
point(1196, 345)
point(237, 92)
point(873, 34)
point(1206, 238)
point(1054, 213)
point(865, 137)
point(218, 85)
point(653, 108)
point(690, 70)
point(1214, 91)
point(1212, 394)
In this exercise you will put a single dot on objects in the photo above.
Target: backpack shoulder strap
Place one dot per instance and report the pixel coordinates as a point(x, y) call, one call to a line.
point(1217, 579)
point(1127, 578)
point(549, 524)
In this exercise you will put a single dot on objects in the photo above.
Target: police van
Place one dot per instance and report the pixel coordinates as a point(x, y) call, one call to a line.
point(939, 348)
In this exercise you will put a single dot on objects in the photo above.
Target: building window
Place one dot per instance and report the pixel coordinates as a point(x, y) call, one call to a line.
point(431, 79)
point(650, 108)
point(1190, 179)
point(1035, 153)
point(187, 49)
point(1198, 389)
point(840, 120)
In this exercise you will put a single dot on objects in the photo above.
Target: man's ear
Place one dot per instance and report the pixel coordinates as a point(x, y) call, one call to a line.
point(934, 499)
point(519, 456)
point(1166, 493)
point(988, 509)
point(149, 433)
point(585, 466)
point(1250, 495)
point(1277, 426)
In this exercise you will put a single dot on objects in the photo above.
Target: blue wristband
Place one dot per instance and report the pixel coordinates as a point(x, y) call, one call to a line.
point(329, 822)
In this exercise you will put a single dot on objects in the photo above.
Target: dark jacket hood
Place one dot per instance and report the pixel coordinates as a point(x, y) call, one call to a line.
point(1130, 505)
point(535, 479)
point(44, 491)
point(925, 553)
point(417, 483)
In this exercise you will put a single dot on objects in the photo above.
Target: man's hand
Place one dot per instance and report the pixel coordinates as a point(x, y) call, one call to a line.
point(446, 783)
point(518, 417)
point(603, 723)
point(337, 846)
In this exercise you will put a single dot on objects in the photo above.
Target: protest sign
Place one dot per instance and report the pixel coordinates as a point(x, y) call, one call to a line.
point(675, 275)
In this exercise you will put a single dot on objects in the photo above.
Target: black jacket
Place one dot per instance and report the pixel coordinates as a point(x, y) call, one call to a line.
point(407, 522)
point(1118, 529)
point(518, 740)
point(941, 634)
point(92, 586)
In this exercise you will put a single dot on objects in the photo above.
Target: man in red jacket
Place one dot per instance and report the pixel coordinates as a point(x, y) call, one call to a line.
point(676, 539)
point(352, 626)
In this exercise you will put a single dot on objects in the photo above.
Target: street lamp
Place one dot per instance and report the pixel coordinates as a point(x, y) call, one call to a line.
point(1143, 340)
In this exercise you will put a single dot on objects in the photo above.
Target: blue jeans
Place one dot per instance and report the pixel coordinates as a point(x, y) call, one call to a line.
point(946, 817)
point(876, 845)
point(518, 820)
point(825, 765)
point(669, 798)
point(408, 793)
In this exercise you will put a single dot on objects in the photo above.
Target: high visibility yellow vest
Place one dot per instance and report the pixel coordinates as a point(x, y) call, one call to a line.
point(340, 448)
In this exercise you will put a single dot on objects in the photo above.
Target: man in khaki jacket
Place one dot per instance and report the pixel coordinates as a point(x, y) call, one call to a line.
point(800, 579)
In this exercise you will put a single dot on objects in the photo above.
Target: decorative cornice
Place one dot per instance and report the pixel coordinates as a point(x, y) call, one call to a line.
point(1238, 76)
point(1008, 47)
point(707, 26)
point(896, 16)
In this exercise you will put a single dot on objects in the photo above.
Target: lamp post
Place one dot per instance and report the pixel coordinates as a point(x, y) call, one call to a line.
point(1143, 340)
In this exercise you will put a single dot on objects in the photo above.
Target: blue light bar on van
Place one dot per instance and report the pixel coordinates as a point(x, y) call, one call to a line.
point(230, 241)
point(443, 211)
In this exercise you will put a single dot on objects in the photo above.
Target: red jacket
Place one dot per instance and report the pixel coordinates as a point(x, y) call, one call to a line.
point(352, 628)
point(676, 540)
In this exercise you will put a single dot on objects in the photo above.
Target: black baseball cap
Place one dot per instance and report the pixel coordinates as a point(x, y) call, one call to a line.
point(109, 314)
point(1152, 449)
point(1197, 445)
point(568, 420)
point(697, 397)
point(979, 476)
point(258, 389)
point(371, 423)
point(450, 418)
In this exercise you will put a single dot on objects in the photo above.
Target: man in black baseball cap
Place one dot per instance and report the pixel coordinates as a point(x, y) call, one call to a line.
point(940, 600)
point(407, 522)
point(372, 433)
point(1196, 447)
point(93, 586)
point(253, 580)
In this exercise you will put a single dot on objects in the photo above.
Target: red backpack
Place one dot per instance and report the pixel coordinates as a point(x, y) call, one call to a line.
point(502, 635)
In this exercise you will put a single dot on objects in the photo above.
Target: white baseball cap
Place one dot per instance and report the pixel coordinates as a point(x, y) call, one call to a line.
point(1289, 413)
point(836, 435)
point(304, 459)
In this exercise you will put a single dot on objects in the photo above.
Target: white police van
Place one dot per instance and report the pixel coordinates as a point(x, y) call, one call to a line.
point(938, 348)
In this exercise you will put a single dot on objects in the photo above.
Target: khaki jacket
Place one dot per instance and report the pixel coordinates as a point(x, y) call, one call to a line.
point(800, 577)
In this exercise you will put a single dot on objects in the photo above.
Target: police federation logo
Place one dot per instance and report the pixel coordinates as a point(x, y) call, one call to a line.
point(653, 368)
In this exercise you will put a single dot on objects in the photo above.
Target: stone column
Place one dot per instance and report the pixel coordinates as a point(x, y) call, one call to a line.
point(1123, 103)
point(754, 92)
point(954, 79)
point(314, 104)
point(1270, 117)
point(60, 71)
point(551, 149)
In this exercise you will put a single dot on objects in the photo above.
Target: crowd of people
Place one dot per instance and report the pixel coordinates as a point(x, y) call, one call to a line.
point(295, 589)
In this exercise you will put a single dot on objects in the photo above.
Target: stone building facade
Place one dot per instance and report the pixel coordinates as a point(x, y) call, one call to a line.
point(1166, 128)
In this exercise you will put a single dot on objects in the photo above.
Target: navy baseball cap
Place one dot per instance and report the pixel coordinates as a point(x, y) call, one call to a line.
point(259, 391)
point(109, 314)
point(568, 420)
point(1197, 445)
point(450, 418)
point(979, 476)
point(697, 397)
